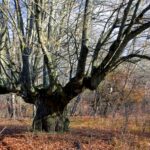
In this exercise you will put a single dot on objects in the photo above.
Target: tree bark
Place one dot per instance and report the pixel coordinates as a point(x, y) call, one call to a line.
point(49, 119)
point(13, 98)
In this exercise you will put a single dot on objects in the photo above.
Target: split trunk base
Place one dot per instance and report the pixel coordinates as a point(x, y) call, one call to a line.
point(50, 119)
point(51, 123)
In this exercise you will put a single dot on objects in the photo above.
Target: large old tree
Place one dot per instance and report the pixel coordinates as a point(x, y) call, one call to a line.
point(52, 50)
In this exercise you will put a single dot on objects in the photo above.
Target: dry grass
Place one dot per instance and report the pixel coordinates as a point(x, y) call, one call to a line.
point(86, 133)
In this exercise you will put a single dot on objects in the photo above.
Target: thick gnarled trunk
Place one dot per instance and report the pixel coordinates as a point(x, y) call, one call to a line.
point(49, 119)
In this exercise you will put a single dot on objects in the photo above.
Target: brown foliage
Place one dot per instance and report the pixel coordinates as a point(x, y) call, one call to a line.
point(86, 133)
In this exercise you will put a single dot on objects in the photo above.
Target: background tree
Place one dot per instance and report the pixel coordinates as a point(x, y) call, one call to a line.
point(122, 87)
point(60, 48)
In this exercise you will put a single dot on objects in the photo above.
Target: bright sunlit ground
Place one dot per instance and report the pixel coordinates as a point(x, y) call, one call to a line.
point(86, 133)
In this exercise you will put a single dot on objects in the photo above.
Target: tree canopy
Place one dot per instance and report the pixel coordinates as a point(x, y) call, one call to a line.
point(53, 50)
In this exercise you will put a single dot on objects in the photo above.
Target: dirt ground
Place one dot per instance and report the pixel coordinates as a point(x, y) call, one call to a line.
point(85, 133)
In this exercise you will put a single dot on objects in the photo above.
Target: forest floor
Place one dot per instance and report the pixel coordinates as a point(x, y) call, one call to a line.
point(86, 133)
